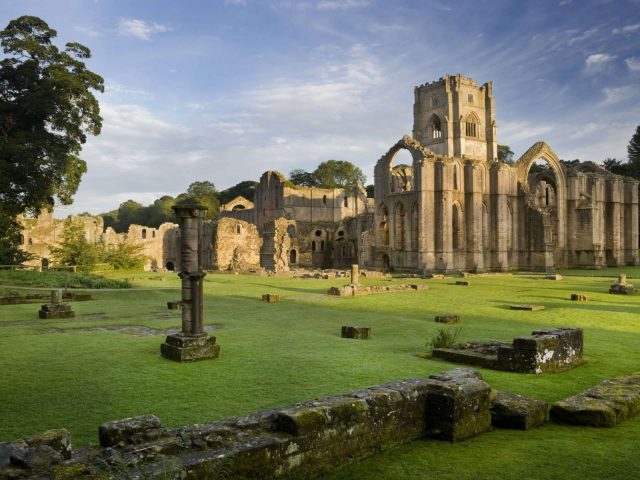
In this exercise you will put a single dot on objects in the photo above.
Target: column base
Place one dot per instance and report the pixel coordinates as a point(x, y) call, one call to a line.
point(183, 348)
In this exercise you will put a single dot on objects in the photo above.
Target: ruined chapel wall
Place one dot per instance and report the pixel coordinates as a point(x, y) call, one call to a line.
point(236, 245)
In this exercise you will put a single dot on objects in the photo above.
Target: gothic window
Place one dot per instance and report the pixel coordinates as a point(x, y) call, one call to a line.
point(456, 227)
point(472, 125)
point(324, 199)
point(436, 127)
point(313, 246)
point(144, 233)
point(470, 97)
point(346, 201)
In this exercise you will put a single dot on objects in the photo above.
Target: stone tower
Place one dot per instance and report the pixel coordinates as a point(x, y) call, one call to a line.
point(455, 117)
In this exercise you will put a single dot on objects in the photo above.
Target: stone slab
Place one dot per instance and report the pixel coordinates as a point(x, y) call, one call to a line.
point(447, 318)
point(605, 405)
point(579, 297)
point(359, 332)
point(509, 410)
point(529, 308)
point(271, 298)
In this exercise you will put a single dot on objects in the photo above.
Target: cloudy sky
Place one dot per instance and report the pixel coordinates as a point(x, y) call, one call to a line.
point(223, 90)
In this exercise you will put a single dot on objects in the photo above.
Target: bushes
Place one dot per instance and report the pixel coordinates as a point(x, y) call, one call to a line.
point(444, 339)
point(54, 279)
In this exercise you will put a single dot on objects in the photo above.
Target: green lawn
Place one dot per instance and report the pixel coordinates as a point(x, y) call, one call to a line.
point(278, 354)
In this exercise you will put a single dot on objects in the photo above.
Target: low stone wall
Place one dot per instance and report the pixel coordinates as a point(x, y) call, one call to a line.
point(545, 350)
point(300, 441)
point(358, 290)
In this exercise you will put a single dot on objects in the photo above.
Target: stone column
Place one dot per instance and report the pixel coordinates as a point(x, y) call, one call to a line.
point(355, 274)
point(192, 343)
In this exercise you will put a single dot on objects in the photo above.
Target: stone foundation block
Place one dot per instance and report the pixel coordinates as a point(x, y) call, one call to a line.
point(58, 439)
point(271, 298)
point(182, 348)
point(509, 410)
point(56, 310)
point(529, 308)
point(174, 305)
point(464, 283)
point(359, 332)
point(130, 431)
point(604, 405)
point(448, 318)
point(578, 297)
point(457, 404)
point(622, 289)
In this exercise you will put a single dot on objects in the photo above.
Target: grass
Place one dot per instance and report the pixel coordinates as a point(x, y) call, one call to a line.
point(282, 353)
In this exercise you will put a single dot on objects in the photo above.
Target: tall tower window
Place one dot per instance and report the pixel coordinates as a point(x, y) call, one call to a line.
point(436, 127)
point(470, 98)
point(472, 125)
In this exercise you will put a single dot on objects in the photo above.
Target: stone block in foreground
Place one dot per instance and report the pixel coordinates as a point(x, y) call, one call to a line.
point(184, 348)
point(604, 405)
point(509, 410)
point(448, 318)
point(56, 310)
point(359, 332)
point(529, 308)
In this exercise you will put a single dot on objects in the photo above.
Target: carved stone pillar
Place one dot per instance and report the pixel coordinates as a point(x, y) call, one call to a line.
point(192, 343)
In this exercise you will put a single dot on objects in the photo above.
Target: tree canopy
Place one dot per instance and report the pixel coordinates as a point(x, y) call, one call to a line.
point(505, 154)
point(329, 174)
point(633, 149)
point(47, 108)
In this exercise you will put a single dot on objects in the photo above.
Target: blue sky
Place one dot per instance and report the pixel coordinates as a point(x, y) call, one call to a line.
point(224, 90)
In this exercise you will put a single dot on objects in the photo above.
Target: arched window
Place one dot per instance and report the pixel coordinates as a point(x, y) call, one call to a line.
point(346, 201)
point(313, 246)
point(436, 127)
point(144, 233)
point(170, 266)
point(383, 227)
point(324, 199)
point(472, 125)
point(293, 257)
point(456, 227)
point(455, 177)
point(238, 229)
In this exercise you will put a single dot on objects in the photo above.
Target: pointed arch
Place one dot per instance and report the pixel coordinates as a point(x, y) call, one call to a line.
point(435, 127)
point(472, 125)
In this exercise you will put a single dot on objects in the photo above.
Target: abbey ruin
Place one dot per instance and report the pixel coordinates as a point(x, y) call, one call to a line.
point(456, 207)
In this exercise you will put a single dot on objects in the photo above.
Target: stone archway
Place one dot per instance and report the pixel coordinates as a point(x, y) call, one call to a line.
point(555, 226)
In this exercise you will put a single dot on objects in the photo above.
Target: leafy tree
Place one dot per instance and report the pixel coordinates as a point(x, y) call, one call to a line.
point(47, 108)
point(505, 154)
point(123, 256)
point(338, 174)
point(160, 212)
point(616, 166)
point(205, 193)
point(370, 191)
point(246, 188)
point(129, 212)
point(570, 163)
point(74, 249)
point(10, 239)
point(303, 178)
point(633, 149)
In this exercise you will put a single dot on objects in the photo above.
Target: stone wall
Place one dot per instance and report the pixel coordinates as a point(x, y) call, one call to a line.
point(297, 442)
point(236, 245)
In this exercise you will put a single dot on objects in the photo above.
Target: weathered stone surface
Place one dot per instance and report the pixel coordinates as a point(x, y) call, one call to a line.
point(58, 439)
point(174, 305)
point(527, 307)
point(271, 297)
point(56, 310)
point(458, 405)
point(545, 350)
point(357, 290)
point(130, 431)
point(604, 405)
point(182, 348)
point(359, 332)
point(448, 318)
point(40, 457)
point(579, 297)
point(509, 410)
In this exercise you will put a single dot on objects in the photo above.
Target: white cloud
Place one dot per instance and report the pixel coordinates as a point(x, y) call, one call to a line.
point(89, 32)
point(597, 62)
point(236, 3)
point(633, 63)
point(519, 131)
point(132, 27)
point(617, 95)
point(342, 4)
point(627, 29)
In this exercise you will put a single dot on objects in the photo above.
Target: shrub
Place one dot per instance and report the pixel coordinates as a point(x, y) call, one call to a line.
point(445, 338)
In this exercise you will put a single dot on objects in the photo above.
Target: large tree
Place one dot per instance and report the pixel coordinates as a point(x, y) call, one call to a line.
point(246, 188)
point(47, 108)
point(505, 154)
point(329, 174)
point(204, 192)
point(633, 149)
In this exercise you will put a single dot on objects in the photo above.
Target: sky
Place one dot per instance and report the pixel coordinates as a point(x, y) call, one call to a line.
point(223, 90)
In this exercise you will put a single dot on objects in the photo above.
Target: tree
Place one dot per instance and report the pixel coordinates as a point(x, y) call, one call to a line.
point(303, 178)
point(204, 192)
point(246, 188)
point(338, 174)
point(505, 154)
point(75, 249)
point(46, 111)
point(123, 256)
point(614, 165)
point(633, 149)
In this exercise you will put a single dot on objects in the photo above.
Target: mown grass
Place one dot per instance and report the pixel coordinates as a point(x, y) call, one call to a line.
point(278, 354)
point(59, 279)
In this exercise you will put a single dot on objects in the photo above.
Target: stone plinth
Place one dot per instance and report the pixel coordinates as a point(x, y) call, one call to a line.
point(359, 332)
point(448, 318)
point(509, 410)
point(182, 348)
point(271, 298)
point(529, 308)
point(621, 287)
point(578, 297)
point(56, 310)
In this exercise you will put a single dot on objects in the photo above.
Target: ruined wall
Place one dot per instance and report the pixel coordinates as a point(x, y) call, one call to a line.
point(236, 245)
